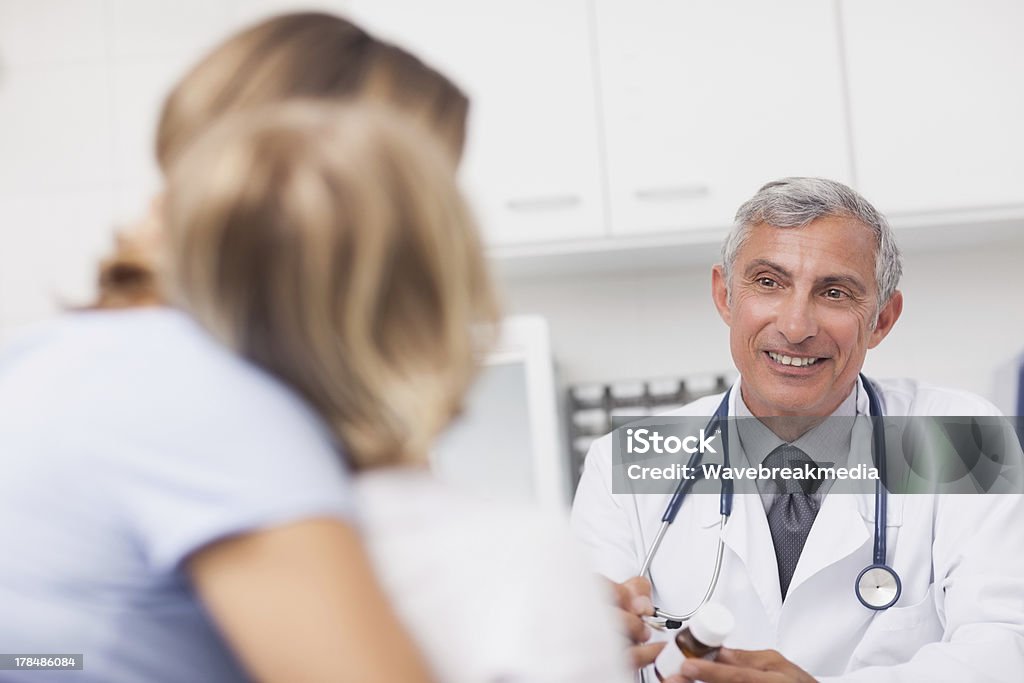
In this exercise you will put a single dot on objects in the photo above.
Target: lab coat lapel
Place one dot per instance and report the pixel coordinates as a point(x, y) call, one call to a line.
point(839, 530)
point(748, 535)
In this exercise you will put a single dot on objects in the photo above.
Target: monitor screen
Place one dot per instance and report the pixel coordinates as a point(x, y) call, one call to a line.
point(489, 447)
point(508, 442)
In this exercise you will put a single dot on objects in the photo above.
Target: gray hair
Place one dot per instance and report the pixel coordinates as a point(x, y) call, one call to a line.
point(795, 202)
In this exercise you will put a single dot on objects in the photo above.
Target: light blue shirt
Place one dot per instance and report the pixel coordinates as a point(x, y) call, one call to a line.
point(128, 440)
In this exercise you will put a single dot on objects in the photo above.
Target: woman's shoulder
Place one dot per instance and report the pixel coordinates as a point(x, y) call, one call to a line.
point(154, 376)
point(159, 357)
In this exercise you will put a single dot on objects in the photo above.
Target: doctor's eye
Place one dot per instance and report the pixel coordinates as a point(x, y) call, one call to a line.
point(835, 294)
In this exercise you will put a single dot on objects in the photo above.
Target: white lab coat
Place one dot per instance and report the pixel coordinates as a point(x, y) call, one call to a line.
point(960, 558)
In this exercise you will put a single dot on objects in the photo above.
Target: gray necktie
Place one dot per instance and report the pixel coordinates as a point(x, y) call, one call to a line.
point(793, 512)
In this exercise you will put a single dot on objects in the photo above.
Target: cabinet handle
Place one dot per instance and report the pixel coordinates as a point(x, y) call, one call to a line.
point(668, 194)
point(562, 201)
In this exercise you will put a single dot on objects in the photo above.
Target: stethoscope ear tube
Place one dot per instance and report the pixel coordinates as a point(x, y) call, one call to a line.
point(672, 509)
point(717, 422)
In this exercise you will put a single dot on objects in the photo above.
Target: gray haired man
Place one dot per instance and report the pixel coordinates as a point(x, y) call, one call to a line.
point(808, 283)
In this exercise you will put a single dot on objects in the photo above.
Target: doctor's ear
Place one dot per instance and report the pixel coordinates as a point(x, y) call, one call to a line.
point(887, 317)
point(720, 293)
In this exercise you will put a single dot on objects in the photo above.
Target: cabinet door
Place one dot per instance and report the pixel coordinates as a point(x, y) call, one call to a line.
point(706, 101)
point(936, 102)
point(532, 164)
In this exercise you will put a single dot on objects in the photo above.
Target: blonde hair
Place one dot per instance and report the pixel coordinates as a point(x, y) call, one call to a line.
point(298, 55)
point(308, 55)
point(330, 245)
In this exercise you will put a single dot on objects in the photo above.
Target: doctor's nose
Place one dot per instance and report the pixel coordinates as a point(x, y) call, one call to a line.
point(796, 320)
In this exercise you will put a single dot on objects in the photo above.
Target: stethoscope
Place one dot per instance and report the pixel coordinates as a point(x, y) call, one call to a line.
point(878, 586)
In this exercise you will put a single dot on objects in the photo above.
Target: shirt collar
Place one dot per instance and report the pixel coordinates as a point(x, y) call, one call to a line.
point(829, 442)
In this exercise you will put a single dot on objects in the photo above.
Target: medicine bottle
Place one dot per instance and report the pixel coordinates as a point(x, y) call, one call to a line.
point(702, 638)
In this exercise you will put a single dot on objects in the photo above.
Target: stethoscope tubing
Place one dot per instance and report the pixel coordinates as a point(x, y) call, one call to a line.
point(878, 450)
point(718, 422)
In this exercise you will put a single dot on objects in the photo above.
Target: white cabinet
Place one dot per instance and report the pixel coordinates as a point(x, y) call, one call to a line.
point(705, 101)
point(936, 102)
point(532, 165)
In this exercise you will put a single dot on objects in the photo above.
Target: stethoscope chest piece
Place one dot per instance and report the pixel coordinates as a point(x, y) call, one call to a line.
point(878, 587)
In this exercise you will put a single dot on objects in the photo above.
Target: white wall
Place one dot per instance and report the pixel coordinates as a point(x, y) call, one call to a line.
point(964, 316)
point(80, 86)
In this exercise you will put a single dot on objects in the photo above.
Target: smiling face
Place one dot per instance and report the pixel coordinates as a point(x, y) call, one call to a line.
point(801, 312)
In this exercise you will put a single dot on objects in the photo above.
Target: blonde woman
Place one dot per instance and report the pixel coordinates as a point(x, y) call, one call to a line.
point(145, 466)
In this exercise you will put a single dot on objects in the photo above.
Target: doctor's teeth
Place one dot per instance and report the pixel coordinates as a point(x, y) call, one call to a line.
point(791, 360)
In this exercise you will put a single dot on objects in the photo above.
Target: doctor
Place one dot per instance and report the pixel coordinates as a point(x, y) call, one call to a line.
point(808, 283)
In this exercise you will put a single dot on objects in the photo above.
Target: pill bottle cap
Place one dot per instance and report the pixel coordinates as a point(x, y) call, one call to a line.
point(712, 624)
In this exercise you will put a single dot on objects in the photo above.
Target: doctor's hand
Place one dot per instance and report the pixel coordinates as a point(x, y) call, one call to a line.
point(633, 601)
point(742, 666)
